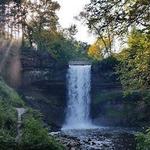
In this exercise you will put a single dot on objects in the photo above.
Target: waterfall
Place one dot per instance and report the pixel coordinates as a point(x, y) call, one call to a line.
point(78, 106)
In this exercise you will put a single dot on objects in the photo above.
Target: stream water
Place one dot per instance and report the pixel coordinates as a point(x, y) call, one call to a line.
point(105, 138)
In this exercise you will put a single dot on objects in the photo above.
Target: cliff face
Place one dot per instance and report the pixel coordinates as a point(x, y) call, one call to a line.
point(43, 85)
point(109, 106)
point(44, 88)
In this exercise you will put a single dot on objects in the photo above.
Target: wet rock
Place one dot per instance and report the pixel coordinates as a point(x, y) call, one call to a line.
point(93, 143)
point(107, 139)
point(105, 145)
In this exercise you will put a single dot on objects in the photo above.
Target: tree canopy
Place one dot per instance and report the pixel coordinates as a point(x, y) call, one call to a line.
point(107, 18)
point(97, 50)
point(134, 68)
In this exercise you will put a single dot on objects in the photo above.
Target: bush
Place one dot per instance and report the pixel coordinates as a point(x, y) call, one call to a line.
point(9, 96)
point(8, 117)
point(143, 140)
point(36, 137)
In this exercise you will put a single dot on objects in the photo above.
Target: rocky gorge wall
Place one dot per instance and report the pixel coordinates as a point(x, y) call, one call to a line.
point(110, 106)
point(43, 87)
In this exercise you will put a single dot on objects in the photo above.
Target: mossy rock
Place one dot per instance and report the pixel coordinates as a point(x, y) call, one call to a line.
point(105, 96)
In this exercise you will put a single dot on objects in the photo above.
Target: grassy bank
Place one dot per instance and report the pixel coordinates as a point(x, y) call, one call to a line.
point(34, 135)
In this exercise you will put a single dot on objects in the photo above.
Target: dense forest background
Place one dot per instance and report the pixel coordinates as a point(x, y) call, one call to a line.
point(28, 26)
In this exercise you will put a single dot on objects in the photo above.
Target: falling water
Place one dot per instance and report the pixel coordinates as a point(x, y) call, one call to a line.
point(78, 107)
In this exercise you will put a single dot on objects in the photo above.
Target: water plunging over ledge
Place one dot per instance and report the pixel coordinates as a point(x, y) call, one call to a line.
point(78, 106)
point(78, 132)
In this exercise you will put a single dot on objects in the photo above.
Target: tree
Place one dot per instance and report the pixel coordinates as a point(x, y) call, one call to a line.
point(97, 19)
point(117, 15)
point(41, 16)
point(97, 50)
point(107, 18)
point(9, 9)
point(29, 16)
point(134, 69)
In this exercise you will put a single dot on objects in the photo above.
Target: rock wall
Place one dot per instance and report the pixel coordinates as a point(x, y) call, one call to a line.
point(110, 108)
point(44, 88)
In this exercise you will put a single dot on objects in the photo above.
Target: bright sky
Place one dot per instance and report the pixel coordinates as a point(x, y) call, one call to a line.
point(69, 9)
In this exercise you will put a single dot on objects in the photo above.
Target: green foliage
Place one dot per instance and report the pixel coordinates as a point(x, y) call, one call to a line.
point(60, 47)
point(134, 69)
point(108, 64)
point(7, 130)
point(39, 23)
point(130, 108)
point(7, 141)
point(8, 116)
point(44, 15)
point(106, 69)
point(44, 19)
point(109, 17)
point(118, 96)
point(5, 136)
point(9, 99)
point(143, 140)
point(8, 95)
point(41, 31)
point(36, 137)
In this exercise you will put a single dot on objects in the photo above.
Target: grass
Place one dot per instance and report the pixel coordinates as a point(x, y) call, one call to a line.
point(34, 135)
point(8, 95)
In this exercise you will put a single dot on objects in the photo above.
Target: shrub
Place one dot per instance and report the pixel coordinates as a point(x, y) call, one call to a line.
point(36, 137)
point(143, 140)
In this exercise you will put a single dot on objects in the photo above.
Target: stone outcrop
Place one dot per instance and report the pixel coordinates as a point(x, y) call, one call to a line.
point(43, 86)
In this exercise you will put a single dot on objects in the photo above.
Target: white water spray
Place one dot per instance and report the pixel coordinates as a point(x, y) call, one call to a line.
point(78, 107)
